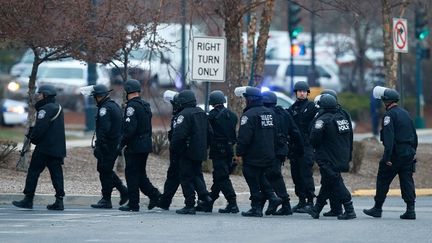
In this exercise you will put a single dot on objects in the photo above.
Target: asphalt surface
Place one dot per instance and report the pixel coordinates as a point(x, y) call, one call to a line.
point(83, 224)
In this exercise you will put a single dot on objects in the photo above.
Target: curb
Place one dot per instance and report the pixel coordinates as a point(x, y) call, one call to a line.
point(420, 192)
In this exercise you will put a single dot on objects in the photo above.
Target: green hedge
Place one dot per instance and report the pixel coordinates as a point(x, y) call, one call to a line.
point(357, 105)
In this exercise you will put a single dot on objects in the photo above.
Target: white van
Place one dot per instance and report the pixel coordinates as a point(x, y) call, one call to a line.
point(277, 73)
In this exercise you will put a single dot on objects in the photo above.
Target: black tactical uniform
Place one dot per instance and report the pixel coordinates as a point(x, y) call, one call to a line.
point(303, 112)
point(399, 138)
point(48, 135)
point(172, 181)
point(287, 134)
point(256, 146)
point(137, 132)
point(189, 142)
point(336, 207)
point(331, 136)
point(224, 122)
point(108, 133)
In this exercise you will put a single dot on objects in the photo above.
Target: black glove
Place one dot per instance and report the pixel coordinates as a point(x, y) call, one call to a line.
point(233, 166)
point(97, 152)
point(29, 133)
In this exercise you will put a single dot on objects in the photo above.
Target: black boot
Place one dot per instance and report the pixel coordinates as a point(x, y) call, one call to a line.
point(124, 197)
point(205, 205)
point(57, 205)
point(103, 203)
point(253, 212)
point(231, 207)
point(374, 212)
point(285, 209)
point(300, 204)
point(128, 208)
point(186, 210)
point(409, 213)
point(335, 209)
point(163, 204)
point(274, 202)
point(349, 212)
point(27, 202)
point(154, 201)
point(314, 211)
point(306, 208)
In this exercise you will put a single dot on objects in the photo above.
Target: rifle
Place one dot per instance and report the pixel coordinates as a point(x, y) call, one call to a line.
point(26, 146)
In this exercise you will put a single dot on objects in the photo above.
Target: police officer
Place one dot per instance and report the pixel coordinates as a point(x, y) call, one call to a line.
point(172, 181)
point(399, 138)
point(48, 135)
point(137, 132)
point(256, 147)
point(331, 136)
point(335, 208)
point(223, 122)
point(287, 133)
point(108, 133)
point(303, 112)
point(189, 142)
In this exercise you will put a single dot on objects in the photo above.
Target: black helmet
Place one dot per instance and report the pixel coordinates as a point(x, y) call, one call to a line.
point(330, 92)
point(327, 102)
point(217, 97)
point(100, 90)
point(269, 97)
point(301, 85)
point(47, 90)
point(186, 97)
point(390, 95)
point(132, 86)
point(252, 92)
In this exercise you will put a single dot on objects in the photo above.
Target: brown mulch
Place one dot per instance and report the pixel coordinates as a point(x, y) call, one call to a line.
point(81, 176)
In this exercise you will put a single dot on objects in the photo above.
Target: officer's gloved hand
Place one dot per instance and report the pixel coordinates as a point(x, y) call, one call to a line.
point(30, 131)
point(97, 152)
point(120, 150)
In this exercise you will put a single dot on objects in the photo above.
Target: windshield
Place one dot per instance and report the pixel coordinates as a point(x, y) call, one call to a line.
point(63, 73)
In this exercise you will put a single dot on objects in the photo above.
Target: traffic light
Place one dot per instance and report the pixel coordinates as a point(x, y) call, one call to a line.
point(421, 24)
point(293, 20)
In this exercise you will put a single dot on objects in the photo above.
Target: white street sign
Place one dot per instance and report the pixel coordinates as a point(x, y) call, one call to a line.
point(208, 59)
point(400, 35)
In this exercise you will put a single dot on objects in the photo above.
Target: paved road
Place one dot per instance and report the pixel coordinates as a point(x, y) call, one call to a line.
point(82, 224)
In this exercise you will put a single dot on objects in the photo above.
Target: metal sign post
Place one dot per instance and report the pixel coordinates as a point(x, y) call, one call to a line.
point(400, 45)
point(209, 61)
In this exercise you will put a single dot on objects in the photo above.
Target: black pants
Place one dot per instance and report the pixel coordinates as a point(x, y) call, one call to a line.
point(136, 178)
point(302, 174)
point(108, 178)
point(172, 182)
point(275, 178)
point(332, 186)
point(37, 164)
point(192, 180)
point(255, 178)
point(386, 174)
point(221, 180)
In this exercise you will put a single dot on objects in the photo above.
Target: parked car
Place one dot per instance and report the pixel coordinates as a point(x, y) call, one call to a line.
point(277, 73)
point(13, 112)
point(66, 76)
point(24, 63)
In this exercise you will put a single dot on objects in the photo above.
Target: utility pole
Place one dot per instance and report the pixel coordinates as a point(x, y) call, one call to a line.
point(90, 106)
point(421, 33)
point(183, 47)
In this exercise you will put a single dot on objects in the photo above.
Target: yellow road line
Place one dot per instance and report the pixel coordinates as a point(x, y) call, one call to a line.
point(392, 192)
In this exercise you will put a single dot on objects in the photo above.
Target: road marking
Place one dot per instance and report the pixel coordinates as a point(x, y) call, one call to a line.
point(392, 192)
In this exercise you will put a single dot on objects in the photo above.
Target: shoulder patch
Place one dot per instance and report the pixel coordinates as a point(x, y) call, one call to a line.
point(244, 120)
point(41, 114)
point(130, 111)
point(386, 120)
point(102, 111)
point(179, 119)
point(319, 124)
